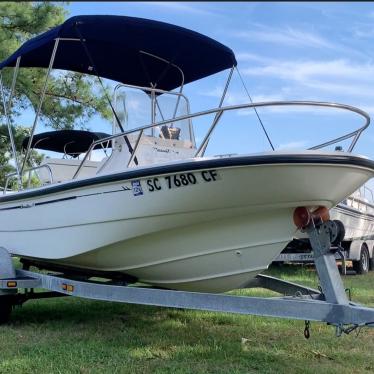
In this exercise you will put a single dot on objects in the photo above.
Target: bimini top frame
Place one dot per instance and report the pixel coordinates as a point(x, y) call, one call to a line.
point(157, 55)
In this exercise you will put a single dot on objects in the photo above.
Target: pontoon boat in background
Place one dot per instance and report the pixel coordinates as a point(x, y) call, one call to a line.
point(155, 209)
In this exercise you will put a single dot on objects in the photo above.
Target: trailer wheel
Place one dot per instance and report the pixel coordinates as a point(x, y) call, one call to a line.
point(362, 265)
point(371, 262)
point(340, 231)
point(6, 306)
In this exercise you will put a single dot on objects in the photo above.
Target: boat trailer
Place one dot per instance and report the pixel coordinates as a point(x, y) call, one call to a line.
point(329, 304)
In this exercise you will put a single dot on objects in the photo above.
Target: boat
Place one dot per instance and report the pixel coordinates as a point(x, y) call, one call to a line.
point(155, 209)
point(357, 214)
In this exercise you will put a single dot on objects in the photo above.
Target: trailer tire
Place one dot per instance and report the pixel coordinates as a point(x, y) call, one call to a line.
point(6, 306)
point(362, 265)
point(371, 262)
point(340, 232)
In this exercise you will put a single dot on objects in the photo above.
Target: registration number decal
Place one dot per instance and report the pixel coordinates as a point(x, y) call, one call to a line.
point(182, 180)
point(136, 188)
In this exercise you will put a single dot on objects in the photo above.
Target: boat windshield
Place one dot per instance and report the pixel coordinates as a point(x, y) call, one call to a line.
point(138, 107)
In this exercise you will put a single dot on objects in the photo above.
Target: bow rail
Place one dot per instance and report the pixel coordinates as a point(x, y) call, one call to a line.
point(219, 112)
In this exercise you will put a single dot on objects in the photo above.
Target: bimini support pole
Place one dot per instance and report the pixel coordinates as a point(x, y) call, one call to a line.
point(38, 111)
point(201, 150)
point(7, 116)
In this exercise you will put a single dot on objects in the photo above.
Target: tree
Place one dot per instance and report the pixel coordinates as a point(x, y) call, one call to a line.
point(6, 165)
point(71, 98)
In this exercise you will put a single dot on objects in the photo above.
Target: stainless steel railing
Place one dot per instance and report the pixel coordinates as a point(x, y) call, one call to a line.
point(360, 198)
point(219, 112)
point(29, 171)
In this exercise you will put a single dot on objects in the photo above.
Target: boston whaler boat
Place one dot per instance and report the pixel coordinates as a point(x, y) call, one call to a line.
point(155, 209)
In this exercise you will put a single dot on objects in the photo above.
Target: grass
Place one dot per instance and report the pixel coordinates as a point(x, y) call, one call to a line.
point(71, 335)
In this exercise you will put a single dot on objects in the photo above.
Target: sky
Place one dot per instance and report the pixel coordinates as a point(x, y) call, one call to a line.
point(285, 51)
point(321, 51)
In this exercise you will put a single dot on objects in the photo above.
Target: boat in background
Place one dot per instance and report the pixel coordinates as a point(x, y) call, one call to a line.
point(356, 214)
point(155, 209)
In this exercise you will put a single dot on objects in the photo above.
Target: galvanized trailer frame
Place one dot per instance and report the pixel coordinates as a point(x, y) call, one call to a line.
point(330, 305)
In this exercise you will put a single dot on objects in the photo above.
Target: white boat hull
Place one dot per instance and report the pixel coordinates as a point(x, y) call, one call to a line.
point(212, 235)
point(358, 224)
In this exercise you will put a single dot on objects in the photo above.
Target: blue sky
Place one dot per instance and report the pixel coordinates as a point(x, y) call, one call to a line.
point(285, 51)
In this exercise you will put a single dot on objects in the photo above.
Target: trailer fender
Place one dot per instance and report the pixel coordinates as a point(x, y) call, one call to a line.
point(355, 250)
point(370, 245)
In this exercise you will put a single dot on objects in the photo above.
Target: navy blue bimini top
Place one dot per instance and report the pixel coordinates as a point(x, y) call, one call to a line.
point(71, 142)
point(115, 45)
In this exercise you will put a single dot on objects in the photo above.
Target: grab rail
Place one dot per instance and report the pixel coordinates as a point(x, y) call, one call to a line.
point(219, 111)
point(29, 170)
point(366, 188)
point(361, 199)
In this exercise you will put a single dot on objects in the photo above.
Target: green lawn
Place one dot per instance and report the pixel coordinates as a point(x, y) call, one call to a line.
point(71, 335)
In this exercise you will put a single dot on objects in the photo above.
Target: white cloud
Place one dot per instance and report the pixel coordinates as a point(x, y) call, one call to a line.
point(300, 70)
point(335, 76)
point(364, 32)
point(231, 98)
point(245, 57)
point(292, 37)
point(288, 36)
point(338, 80)
point(240, 97)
